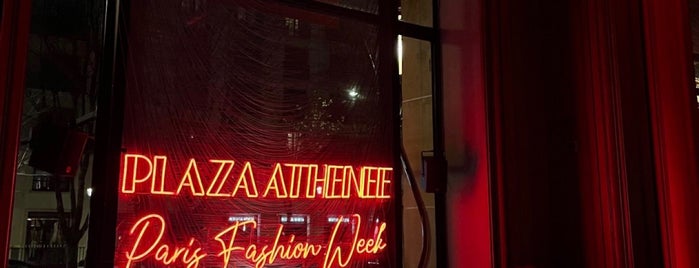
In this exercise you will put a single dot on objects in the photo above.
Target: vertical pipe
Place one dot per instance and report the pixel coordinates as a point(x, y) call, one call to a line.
point(440, 198)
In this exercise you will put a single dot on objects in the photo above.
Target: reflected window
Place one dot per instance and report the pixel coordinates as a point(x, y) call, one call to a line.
point(42, 183)
point(44, 242)
point(56, 133)
point(295, 224)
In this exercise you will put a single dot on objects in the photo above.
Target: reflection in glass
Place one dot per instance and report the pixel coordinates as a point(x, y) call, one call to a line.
point(416, 83)
point(51, 205)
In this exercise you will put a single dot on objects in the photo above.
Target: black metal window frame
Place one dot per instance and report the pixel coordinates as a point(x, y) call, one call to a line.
point(104, 200)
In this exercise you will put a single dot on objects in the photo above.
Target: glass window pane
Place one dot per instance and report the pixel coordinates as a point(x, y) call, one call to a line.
point(416, 12)
point(54, 163)
point(249, 123)
point(416, 82)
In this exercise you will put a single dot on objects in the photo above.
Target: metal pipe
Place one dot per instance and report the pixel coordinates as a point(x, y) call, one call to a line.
point(425, 220)
point(438, 139)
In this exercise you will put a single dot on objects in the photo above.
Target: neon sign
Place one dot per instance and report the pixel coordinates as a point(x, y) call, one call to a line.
point(236, 237)
point(191, 255)
point(336, 181)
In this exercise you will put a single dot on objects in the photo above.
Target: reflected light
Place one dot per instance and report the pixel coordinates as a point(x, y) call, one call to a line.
point(399, 49)
point(353, 94)
point(241, 218)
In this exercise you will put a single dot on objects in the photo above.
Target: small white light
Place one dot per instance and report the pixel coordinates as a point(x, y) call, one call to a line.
point(399, 51)
point(336, 219)
point(240, 218)
point(89, 191)
point(353, 93)
point(319, 190)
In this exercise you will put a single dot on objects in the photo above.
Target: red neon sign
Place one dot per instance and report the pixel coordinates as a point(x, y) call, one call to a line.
point(152, 227)
point(336, 181)
point(150, 238)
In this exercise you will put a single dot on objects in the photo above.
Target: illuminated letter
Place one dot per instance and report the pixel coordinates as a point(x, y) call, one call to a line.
point(143, 224)
point(276, 179)
point(194, 185)
point(369, 180)
point(128, 184)
point(351, 179)
point(383, 181)
point(163, 251)
point(159, 164)
point(227, 248)
point(372, 245)
point(374, 180)
point(331, 179)
point(295, 181)
point(312, 182)
point(246, 181)
point(223, 163)
point(337, 252)
point(193, 259)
